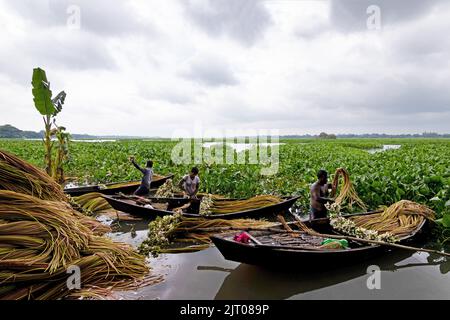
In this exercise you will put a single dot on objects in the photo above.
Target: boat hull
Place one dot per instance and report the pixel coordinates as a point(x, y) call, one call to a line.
point(132, 208)
point(268, 256)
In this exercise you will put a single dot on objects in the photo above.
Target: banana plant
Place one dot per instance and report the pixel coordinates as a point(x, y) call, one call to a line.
point(49, 107)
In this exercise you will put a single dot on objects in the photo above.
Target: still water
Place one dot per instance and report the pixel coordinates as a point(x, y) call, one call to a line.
point(207, 275)
point(384, 148)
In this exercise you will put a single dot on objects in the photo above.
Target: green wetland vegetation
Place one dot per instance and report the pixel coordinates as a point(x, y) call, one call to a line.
point(419, 170)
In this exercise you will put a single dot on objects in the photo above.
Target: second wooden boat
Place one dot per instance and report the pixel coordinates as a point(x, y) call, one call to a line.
point(157, 209)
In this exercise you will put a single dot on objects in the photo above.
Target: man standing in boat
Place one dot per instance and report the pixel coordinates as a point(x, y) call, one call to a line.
point(320, 195)
point(190, 183)
point(144, 188)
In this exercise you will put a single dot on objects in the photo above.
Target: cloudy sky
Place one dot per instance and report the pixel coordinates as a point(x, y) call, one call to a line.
point(152, 68)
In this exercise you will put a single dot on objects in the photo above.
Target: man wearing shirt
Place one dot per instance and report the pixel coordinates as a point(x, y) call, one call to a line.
point(190, 183)
point(147, 172)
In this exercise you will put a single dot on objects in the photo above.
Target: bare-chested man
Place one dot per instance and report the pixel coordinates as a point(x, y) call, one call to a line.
point(319, 195)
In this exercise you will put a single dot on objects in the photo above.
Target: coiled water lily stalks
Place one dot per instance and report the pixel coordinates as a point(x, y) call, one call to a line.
point(400, 219)
point(395, 222)
point(40, 239)
point(164, 230)
point(92, 202)
point(22, 177)
point(347, 194)
point(211, 205)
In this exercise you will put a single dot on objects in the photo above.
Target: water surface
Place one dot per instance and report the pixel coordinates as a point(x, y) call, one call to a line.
point(207, 275)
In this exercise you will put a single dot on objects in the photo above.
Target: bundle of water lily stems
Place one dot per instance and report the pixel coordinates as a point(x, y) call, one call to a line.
point(40, 239)
point(92, 202)
point(213, 205)
point(391, 224)
point(400, 219)
point(347, 194)
point(20, 176)
point(164, 230)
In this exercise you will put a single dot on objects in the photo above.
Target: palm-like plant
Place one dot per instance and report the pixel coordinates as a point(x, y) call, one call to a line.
point(49, 107)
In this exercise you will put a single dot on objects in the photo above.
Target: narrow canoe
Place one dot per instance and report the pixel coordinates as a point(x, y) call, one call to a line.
point(127, 187)
point(130, 206)
point(270, 251)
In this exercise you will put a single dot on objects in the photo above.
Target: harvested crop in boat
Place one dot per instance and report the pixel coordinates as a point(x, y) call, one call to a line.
point(40, 239)
point(164, 230)
point(211, 205)
point(92, 202)
point(398, 220)
point(20, 176)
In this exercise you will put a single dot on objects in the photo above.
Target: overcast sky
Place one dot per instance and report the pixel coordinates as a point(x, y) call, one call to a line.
point(149, 68)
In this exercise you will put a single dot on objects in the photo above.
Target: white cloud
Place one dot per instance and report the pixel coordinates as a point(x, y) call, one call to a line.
point(149, 67)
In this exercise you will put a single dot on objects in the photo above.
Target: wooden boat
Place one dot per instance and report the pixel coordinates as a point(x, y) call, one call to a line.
point(130, 206)
point(273, 249)
point(116, 187)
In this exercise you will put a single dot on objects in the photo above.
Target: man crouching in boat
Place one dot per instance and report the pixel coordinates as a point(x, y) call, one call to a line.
point(190, 183)
point(144, 188)
point(319, 195)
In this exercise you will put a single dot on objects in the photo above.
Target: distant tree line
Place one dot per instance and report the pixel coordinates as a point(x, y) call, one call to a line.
point(324, 135)
point(10, 132)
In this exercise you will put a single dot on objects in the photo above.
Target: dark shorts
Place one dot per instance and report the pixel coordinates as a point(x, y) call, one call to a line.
point(142, 191)
point(317, 214)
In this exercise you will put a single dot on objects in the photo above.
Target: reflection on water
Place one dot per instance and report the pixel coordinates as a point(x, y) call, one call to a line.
point(207, 275)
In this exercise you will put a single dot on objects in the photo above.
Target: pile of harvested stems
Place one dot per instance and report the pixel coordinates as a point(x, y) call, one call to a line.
point(400, 219)
point(22, 177)
point(40, 239)
point(164, 230)
point(347, 194)
point(92, 202)
point(41, 236)
point(389, 225)
point(213, 205)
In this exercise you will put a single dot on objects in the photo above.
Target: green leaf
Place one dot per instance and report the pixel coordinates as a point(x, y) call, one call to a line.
point(446, 220)
point(42, 93)
point(58, 102)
